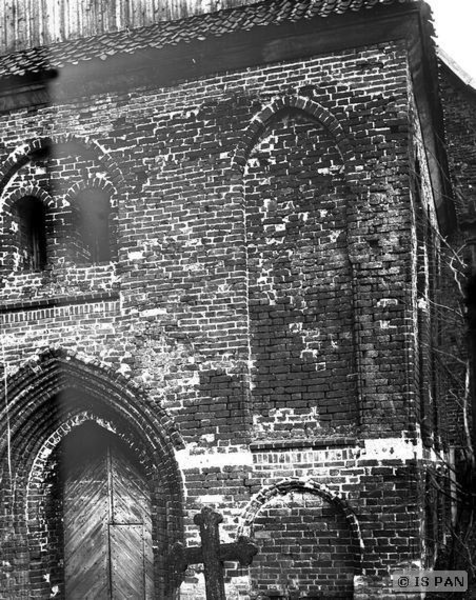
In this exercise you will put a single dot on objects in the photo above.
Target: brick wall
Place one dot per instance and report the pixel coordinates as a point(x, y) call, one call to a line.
point(304, 542)
point(252, 338)
point(459, 110)
point(300, 280)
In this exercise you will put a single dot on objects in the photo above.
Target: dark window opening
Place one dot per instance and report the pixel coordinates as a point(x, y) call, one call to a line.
point(30, 217)
point(93, 219)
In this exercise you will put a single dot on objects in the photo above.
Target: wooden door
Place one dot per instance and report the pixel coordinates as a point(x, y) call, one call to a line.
point(107, 521)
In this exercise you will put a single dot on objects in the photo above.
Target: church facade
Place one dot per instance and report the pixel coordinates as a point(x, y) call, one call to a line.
point(224, 240)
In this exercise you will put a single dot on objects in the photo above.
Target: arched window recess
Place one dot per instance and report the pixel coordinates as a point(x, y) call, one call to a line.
point(28, 224)
point(92, 226)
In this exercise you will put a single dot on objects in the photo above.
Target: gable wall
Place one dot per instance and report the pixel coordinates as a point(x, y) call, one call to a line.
point(274, 200)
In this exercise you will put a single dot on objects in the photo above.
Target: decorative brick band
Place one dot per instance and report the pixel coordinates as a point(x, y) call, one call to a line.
point(301, 484)
point(45, 303)
point(291, 444)
point(306, 105)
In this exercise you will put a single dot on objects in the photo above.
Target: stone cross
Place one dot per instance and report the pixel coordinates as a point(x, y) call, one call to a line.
point(211, 553)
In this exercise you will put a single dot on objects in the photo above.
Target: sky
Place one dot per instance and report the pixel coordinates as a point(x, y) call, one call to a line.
point(455, 23)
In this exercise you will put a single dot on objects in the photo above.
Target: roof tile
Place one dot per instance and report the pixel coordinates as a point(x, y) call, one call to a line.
point(171, 33)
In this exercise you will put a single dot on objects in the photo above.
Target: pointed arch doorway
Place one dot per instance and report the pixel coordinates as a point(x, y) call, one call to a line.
point(53, 398)
point(107, 523)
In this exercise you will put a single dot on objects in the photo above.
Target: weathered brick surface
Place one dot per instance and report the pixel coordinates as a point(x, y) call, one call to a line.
point(253, 338)
point(459, 109)
point(327, 547)
point(459, 113)
point(299, 277)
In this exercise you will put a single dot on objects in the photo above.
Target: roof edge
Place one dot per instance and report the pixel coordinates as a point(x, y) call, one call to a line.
point(464, 77)
point(171, 34)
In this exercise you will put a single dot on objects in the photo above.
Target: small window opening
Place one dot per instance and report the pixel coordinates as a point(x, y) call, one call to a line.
point(30, 216)
point(93, 213)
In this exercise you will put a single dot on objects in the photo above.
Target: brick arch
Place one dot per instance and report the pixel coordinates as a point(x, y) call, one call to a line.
point(47, 399)
point(310, 107)
point(50, 372)
point(23, 153)
point(34, 190)
point(9, 240)
point(95, 183)
point(40, 461)
point(39, 464)
point(283, 487)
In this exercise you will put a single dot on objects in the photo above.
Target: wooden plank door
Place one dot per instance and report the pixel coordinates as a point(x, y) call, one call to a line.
point(107, 524)
point(127, 569)
point(130, 530)
point(85, 518)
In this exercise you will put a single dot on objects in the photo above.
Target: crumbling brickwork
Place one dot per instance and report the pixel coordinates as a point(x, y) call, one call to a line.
point(243, 319)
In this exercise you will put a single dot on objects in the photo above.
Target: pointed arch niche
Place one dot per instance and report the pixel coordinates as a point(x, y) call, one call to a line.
point(90, 484)
point(293, 160)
